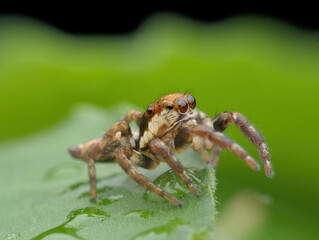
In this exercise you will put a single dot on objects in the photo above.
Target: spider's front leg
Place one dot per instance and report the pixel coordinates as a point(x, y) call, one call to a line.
point(163, 152)
point(128, 159)
point(222, 121)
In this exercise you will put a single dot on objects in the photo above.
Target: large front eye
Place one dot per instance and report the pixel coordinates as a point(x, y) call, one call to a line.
point(182, 105)
point(191, 100)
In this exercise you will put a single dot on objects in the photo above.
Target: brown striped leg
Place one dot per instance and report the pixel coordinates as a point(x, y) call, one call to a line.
point(215, 157)
point(126, 138)
point(133, 115)
point(205, 155)
point(224, 142)
point(159, 148)
point(226, 118)
point(118, 133)
point(213, 160)
point(198, 143)
point(138, 159)
point(92, 177)
point(128, 167)
point(103, 148)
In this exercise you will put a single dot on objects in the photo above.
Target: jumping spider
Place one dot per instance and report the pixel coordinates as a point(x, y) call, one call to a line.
point(170, 125)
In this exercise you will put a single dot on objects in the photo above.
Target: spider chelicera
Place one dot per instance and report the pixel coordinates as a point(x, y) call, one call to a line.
point(170, 125)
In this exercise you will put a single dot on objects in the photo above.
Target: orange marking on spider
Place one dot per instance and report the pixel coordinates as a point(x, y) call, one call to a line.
point(170, 125)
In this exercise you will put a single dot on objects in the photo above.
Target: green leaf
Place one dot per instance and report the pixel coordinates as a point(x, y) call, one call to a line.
point(45, 193)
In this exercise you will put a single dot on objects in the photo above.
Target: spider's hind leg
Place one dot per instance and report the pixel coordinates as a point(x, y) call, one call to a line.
point(92, 178)
point(102, 150)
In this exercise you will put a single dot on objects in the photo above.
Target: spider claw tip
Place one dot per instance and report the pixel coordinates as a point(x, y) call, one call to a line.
point(270, 175)
point(269, 171)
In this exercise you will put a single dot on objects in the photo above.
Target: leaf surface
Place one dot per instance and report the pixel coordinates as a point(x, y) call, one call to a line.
point(45, 193)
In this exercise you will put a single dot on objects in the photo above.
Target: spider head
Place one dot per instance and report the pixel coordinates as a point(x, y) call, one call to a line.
point(166, 115)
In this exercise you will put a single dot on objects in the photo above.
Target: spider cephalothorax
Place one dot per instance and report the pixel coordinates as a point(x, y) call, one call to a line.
point(166, 117)
point(170, 125)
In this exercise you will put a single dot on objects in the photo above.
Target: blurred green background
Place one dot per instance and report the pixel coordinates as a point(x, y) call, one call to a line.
point(263, 68)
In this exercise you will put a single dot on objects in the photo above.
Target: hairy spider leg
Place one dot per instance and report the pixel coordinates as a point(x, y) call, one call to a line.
point(103, 149)
point(200, 144)
point(92, 178)
point(185, 138)
point(130, 169)
point(224, 142)
point(133, 115)
point(203, 144)
point(211, 160)
point(160, 149)
point(216, 153)
point(222, 121)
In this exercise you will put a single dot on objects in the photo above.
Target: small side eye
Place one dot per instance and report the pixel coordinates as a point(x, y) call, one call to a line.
point(170, 106)
point(191, 100)
point(149, 110)
point(182, 105)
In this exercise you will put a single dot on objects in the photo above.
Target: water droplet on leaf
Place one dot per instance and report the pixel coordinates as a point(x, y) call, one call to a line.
point(166, 229)
point(77, 220)
point(140, 213)
point(170, 182)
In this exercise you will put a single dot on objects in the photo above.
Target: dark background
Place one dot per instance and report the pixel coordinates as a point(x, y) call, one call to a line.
point(110, 19)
